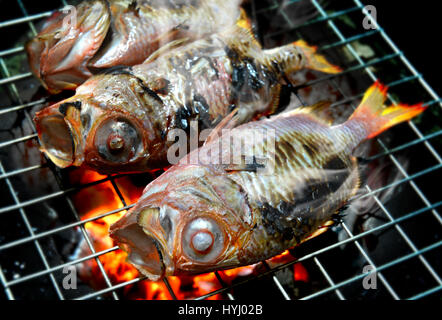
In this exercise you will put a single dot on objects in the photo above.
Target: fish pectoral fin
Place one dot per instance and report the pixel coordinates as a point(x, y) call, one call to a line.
point(167, 47)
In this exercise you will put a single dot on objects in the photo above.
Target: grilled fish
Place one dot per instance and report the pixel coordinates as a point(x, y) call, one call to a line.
point(79, 41)
point(204, 214)
point(122, 121)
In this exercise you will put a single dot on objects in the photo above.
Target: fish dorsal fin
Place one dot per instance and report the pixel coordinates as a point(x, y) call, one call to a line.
point(229, 122)
point(318, 110)
point(166, 48)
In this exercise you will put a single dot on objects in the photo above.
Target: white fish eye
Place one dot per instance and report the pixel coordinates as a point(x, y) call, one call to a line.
point(203, 240)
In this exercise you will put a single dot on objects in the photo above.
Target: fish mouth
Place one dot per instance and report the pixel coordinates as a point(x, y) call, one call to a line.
point(143, 250)
point(56, 139)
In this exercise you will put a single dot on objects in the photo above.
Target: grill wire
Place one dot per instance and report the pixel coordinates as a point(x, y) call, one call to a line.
point(330, 20)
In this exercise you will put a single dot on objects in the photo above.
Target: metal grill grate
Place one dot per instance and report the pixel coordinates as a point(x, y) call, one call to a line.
point(336, 40)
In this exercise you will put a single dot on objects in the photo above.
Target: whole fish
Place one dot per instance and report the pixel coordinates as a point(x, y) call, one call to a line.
point(204, 214)
point(123, 120)
point(98, 34)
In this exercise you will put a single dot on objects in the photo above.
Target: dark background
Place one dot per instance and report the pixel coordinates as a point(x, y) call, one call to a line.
point(415, 27)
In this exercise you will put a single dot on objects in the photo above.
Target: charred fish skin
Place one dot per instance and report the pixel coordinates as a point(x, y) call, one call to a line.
point(100, 34)
point(210, 215)
point(184, 81)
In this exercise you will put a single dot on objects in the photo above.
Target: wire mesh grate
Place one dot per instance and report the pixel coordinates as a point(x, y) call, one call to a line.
point(367, 55)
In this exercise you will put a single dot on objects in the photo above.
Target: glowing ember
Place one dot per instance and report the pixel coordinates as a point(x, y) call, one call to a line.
point(97, 200)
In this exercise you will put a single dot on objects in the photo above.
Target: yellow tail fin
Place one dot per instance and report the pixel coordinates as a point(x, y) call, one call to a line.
point(377, 117)
point(244, 21)
point(316, 61)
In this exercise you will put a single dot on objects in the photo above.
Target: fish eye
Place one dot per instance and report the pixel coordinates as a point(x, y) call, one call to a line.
point(203, 240)
point(117, 140)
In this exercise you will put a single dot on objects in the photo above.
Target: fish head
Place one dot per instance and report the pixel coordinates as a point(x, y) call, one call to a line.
point(59, 54)
point(190, 220)
point(103, 127)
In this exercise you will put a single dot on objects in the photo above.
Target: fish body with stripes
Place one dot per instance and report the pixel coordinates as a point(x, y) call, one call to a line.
point(206, 214)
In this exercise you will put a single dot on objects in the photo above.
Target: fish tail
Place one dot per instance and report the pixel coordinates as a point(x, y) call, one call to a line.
point(244, 21)
point(298, 55)
point(375, 117)
point(314, 60)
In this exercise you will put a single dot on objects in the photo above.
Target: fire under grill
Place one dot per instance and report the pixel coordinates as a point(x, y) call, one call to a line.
point(52, 219)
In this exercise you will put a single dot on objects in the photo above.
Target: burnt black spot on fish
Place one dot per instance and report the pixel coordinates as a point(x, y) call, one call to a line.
point(182, 117)
point(238, 78)
point(248, 76)
point(133, 6)
point(231, 53)
point(280, 221)
point(65, 106)
point(253, 78)
point(201, 108)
